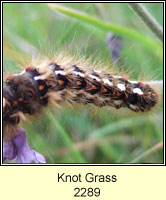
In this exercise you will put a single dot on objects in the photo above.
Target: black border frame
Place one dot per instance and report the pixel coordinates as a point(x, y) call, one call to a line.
point(75, 164)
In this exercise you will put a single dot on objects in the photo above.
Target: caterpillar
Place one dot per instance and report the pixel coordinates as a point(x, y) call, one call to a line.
point(63, 79)
point(38, 86)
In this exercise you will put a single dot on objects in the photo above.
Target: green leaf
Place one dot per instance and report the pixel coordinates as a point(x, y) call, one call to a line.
point(118, 30)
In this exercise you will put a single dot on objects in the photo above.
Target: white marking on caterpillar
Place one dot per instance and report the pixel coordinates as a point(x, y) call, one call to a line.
point(61, 72)
point(106, 81)
point(138, 91)
point(136, 82)
point(94, 77)
point(78, 74)
point(42, 77)
point(121, 86)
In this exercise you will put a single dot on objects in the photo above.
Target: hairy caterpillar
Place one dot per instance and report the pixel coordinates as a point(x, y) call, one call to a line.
point(66, 81)
point(51, 82)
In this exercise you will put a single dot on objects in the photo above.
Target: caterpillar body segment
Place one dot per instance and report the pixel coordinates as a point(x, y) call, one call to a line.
point(36, 87)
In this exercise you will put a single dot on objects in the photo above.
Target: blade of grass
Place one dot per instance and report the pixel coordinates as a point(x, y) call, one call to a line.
point(117, 126)
point(118, 30)
point(155, 148)
point(70, 30)
point(67, 139)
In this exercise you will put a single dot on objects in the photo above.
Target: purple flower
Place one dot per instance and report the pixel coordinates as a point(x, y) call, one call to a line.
point(18, 147)
point(115, 46)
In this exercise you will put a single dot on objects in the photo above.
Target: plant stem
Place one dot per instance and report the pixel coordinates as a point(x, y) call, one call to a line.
point(148, 152)
point(158, 83)
point(148, 19)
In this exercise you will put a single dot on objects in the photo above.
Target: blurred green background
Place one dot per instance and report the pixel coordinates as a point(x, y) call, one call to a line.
point(86, 134)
